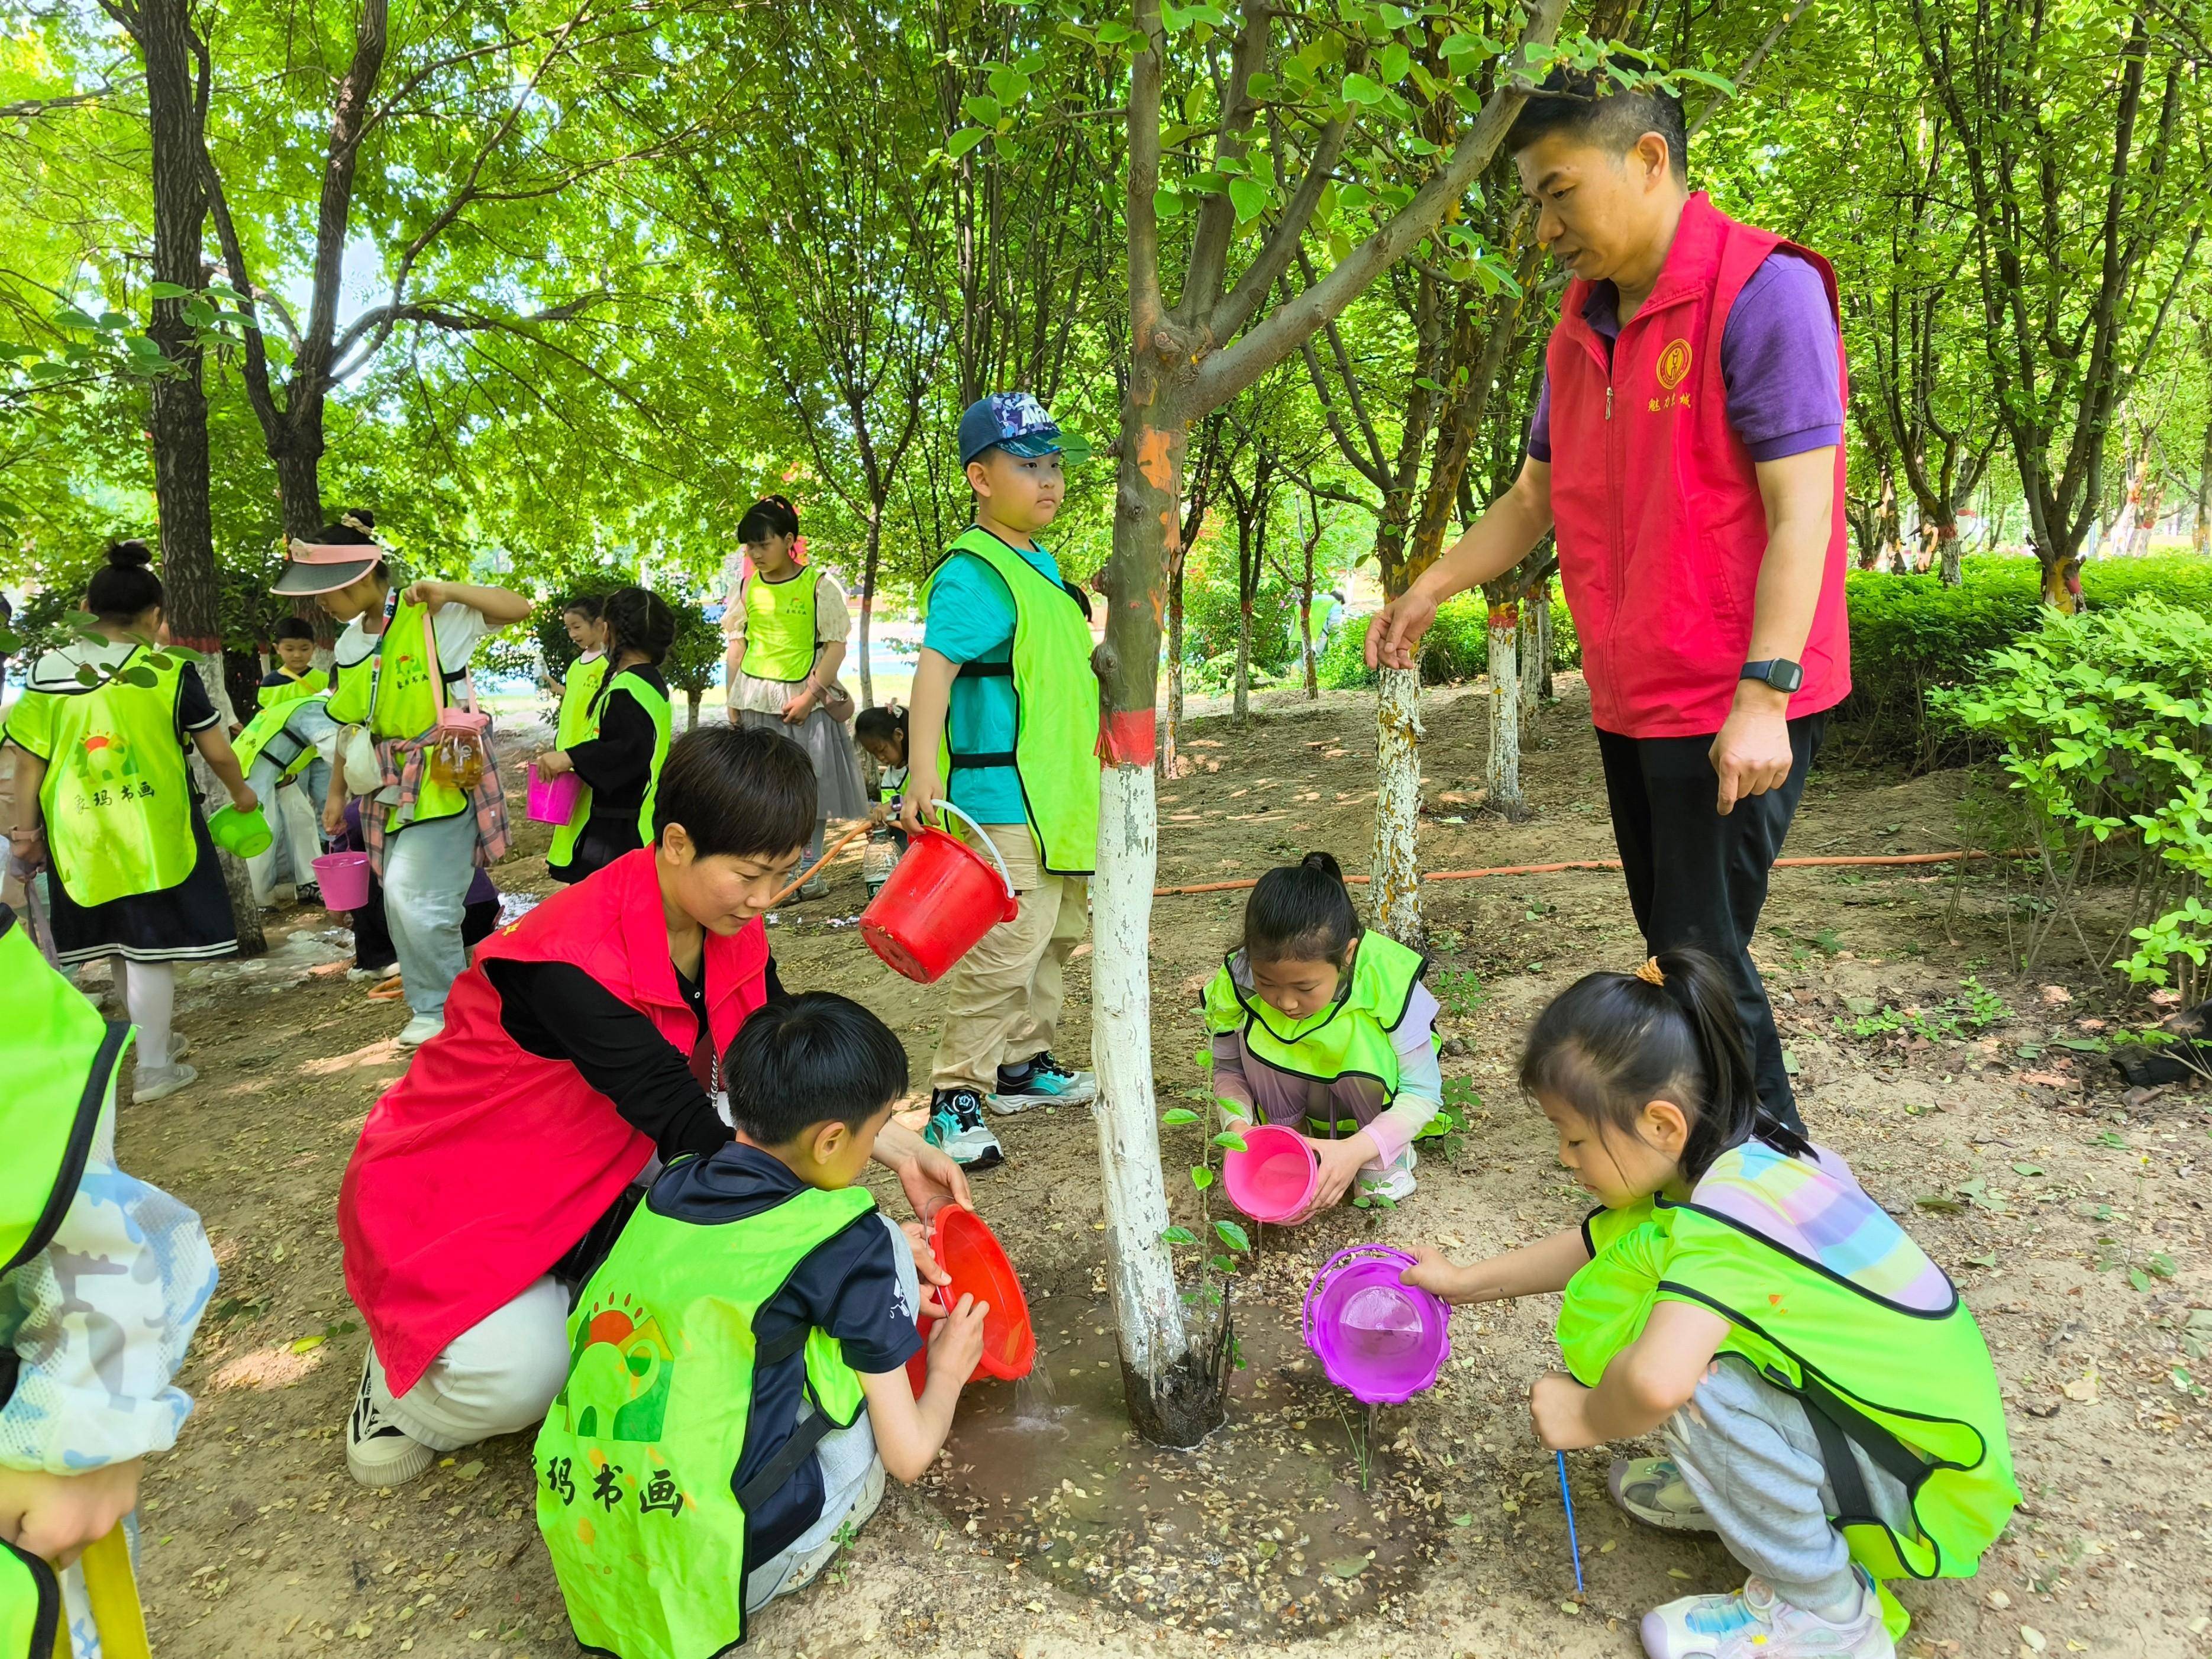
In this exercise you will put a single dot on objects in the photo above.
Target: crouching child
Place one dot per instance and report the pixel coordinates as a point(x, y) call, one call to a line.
point(737, 1386)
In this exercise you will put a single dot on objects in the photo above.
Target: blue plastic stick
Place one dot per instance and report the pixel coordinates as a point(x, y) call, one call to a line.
point(1574, 1550)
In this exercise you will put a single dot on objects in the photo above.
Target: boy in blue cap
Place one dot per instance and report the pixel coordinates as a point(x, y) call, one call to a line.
point(1002, 726)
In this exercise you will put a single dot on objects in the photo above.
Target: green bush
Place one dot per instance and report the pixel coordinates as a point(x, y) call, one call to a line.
point(1911, 635)
point(1456, 647)
point(2103, 729)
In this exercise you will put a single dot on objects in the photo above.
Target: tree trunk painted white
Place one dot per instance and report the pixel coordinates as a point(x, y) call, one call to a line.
point(1148, 1312)
point(1503, 774)
point(1393, 899)
point(1530, 646)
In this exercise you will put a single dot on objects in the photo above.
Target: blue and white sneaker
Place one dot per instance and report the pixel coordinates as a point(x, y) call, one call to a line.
point(957, 1126)
point(1042, 1081)
point(1755, 1623)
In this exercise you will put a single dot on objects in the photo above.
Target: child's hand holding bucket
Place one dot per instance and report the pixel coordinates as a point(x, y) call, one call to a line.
point(927, 1266)
point(1340, 1161)
point(956, 1344)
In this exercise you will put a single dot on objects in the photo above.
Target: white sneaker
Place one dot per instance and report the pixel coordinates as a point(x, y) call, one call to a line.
point(378, 1452)
point(419, 1030)
point(152, 1084)
point(1755, 1623)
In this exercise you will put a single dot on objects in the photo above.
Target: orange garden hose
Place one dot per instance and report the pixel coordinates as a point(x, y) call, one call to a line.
point(1608, 864)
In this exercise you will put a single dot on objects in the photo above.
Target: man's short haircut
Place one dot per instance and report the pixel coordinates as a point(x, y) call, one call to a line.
point(294, 628)
point(740, 792)
point(1589, 106)
point(809, 1059)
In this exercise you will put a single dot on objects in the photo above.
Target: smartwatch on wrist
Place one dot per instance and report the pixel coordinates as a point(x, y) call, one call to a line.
point(1783, 675)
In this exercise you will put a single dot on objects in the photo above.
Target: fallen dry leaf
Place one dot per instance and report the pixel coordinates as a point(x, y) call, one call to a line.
point(2083, 1388)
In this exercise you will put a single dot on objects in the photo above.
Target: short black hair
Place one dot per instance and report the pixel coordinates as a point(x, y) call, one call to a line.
point(1301, 912)
point(880, 724)
point(809, 1059)
point(586, 605)
point(125, 587)
point(1591, 105)
point(639, 620)
point(738, 791)
point(771, 515)
point(293, 628)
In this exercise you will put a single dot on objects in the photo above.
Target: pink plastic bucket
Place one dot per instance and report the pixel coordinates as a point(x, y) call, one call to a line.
point(343, 877)
point(1382, 1341)
point(1276, 1174)
point(553, 800)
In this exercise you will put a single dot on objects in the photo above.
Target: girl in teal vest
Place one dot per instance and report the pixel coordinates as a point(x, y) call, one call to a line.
point(787, 626)
point(103, 795)
point(1325, 1028)
point(1827, 1404)
point(622, 742)
point(428, 829)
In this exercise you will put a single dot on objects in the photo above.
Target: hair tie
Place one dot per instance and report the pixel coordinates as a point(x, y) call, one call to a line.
point(1650, 973)
point(353, 522)
point(798, 549)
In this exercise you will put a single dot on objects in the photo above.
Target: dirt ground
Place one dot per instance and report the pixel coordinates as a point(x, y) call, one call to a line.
point(2071, 1213)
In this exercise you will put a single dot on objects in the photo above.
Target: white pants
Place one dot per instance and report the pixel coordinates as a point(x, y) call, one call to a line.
point(498, 1377)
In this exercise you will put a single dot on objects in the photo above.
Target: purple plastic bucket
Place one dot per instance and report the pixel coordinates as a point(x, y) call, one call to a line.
point(1275, 1176)
point(1381, 1340)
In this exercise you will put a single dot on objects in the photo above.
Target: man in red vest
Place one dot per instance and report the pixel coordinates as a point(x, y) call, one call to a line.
point(1687, 452)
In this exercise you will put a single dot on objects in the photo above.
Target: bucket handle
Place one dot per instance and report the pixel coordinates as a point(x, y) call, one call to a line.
point(944, 806)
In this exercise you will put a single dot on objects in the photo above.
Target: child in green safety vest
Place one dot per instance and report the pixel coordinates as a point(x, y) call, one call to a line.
point(1828, 1406)
point(581, 617)
point(1325, 1028)
point(623, 739)
point(882, 733)
point(1004, 721)
point(103, 796)
point(291, 763)
point(428, 825)
point(737, 1387)
point(784, 628)
point(102, 1282)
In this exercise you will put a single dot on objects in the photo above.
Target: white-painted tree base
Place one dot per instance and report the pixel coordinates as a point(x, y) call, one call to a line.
point(1148, 1310)
point(1395, 897)
point(1504, 776)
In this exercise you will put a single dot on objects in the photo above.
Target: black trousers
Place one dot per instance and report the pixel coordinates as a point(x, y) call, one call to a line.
point(1696, 877)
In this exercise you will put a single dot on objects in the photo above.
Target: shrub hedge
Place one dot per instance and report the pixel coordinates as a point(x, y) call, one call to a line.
point(1910, 636)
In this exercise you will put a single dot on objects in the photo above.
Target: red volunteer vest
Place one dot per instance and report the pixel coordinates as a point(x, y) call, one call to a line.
point(1660, 524)
point(484, 1165)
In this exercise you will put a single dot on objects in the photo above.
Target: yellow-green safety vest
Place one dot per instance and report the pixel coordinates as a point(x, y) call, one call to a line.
point(1350, 1036)
point(60, 1060)
point(277, 703)
point(1908, 1380)
point(564, 849)
point(389, 693)
point(1055, 706)
point(117, 797)
point(779, 626)
point(638, 1457)
point(575, 723)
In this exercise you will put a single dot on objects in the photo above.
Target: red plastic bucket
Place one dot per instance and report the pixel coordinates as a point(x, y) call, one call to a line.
point(968, 1250)
point(1276, 1174)
point(941, 899)
point(343, 877)
point(553, 800)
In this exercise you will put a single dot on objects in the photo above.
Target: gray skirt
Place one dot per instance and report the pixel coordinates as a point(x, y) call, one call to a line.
point(830, 746)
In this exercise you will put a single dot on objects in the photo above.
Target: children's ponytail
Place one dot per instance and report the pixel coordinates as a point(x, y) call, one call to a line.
point(1610, 1042)
point(1301, 912)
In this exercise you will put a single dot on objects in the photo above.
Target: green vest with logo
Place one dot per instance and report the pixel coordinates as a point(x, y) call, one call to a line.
point(575, 721)
point(1352, 1035)
point(117, 797)
point(637, 1460)
point(563, 849)
point(780, 633)
point(1874, 1342)
point(59, 1059)
point(391, 694)
point(277, 706)
point(1055, 707)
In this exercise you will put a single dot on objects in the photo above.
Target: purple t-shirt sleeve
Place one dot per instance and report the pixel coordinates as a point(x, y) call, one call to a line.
point(1779, 361)
point(1539, 424)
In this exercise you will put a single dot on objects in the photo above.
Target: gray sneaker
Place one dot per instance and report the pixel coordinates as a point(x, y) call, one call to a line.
point(1653, 1491)
point(151, 1084)
point(957, 1126)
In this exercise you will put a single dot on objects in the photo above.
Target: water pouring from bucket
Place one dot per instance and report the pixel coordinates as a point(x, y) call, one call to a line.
point(1381, 1340)
point(941, 899)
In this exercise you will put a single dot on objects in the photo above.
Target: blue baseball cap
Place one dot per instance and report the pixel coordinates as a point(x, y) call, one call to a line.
point(1013, 420)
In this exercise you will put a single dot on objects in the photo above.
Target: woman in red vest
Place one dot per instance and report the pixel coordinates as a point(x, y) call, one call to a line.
point(581, 1049)
point(1693, 403)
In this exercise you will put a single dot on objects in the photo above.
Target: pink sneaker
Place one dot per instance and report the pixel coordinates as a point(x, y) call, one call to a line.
point(1755, 1623)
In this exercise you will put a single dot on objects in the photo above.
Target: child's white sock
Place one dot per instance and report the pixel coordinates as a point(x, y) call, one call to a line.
point(149, 997)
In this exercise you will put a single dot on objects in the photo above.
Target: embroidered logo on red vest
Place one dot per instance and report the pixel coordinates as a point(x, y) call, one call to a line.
point(1674, 364)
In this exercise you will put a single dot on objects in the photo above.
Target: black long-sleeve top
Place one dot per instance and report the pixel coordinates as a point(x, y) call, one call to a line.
point(618, 764)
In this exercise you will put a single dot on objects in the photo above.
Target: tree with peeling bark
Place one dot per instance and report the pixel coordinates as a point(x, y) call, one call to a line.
point(1241, 124)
